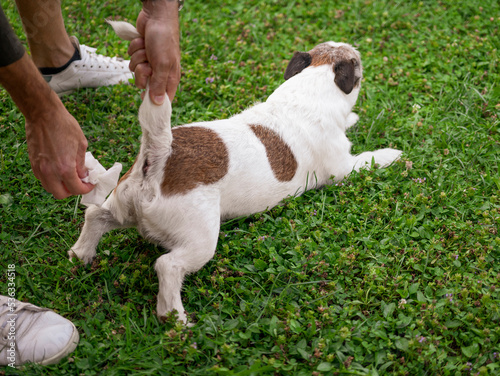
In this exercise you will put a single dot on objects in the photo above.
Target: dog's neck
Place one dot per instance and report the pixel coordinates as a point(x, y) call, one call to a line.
point(315, 95)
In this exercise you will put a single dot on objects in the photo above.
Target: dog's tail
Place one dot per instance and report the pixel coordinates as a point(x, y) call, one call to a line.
point(156, 142)
point(124, 30)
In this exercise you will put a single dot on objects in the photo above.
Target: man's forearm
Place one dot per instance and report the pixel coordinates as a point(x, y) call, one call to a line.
point(19, 76)
point(167, 9)
point(28, 89)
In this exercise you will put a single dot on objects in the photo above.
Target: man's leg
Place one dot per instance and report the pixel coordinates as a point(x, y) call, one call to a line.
point(43, 23)
point(65, 63)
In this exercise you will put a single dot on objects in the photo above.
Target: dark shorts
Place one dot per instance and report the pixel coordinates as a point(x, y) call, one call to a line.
point(11, 49)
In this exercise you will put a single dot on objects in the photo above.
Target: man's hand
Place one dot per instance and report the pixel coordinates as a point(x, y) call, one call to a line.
point(56, 147)
point(156, 56)
point(56, 144)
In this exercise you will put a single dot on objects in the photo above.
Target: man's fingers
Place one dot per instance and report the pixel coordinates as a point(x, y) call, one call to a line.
point(82, 172)
point(164, 81)
point(172, 84)
point(136, 45)
point(157, 87)
point(161, 45)
point(62, 181)
point(36, 171)
point(53, 184)
point(137, 58)
point(75, 186)
point(142, 73)
point(59, 192)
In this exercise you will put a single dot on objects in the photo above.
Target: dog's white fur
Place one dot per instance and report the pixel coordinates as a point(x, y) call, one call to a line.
point(308, 111)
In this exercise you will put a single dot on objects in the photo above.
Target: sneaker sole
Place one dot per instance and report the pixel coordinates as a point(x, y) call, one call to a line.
point(67, 92)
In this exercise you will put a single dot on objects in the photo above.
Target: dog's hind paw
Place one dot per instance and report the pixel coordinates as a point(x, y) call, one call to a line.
point(181, 318)
point(72, 255)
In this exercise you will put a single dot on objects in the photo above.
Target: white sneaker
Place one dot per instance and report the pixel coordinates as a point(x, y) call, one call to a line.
point(93, 70)
point(32, 334)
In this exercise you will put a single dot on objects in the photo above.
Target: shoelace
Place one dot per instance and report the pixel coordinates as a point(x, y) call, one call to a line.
point(18, 314)
point(94, 60)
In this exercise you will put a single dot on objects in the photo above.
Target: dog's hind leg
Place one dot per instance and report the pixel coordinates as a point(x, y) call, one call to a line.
point(98, 221)
point(194, 242)
point(174, 266)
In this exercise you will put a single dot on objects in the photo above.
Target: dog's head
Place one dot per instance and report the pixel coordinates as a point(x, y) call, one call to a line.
point(344, 60)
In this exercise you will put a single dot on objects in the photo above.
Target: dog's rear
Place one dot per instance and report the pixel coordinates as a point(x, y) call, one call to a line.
point(137, 198)
point(135, 202)
point(120, 209)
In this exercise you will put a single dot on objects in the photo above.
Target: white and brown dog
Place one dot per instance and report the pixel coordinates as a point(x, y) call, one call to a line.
point(188, 179)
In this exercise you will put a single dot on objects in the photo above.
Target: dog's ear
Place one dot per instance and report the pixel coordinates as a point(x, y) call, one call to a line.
point(344, 75)
point(299, 61)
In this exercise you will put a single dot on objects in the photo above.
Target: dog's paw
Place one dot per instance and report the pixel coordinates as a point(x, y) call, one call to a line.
point(180, 317)
point(351, 119)
point(386, 157)
point(73, 256)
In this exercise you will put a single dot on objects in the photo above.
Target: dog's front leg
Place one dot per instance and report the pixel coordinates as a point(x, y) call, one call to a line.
point(351, 119)
point(98, 221)
point(382, 157)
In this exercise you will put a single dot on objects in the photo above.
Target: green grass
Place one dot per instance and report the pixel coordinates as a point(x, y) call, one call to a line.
point(393, 271)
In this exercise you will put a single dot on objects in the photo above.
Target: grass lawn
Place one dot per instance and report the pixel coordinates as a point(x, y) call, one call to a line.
point(393, 271)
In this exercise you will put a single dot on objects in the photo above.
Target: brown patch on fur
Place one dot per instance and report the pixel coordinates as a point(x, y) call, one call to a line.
point(321, 55)
point(326, 54)
point(199, 156)
point(346, 64)
point(279, 154)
